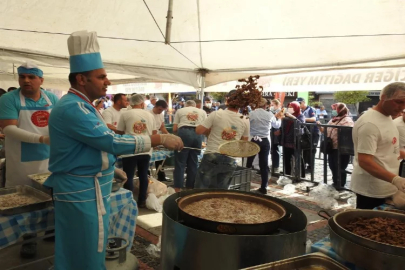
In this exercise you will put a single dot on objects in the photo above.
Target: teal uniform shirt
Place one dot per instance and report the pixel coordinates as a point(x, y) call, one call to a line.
point(10, 104)
point(81, 144)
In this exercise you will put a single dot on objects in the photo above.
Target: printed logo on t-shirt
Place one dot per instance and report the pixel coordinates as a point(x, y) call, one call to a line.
point(139, 127)
point(192, 116)
point(40, 118)
point(229, 133)
point(394, 140)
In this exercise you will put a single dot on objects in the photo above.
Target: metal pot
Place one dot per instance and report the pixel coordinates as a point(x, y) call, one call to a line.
point(340, 220)
point(231, 228)
point(361, 256)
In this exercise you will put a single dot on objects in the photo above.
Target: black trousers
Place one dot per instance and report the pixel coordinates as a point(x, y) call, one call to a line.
point(308, 157)
point(263, 160)
point(363, 202)
point(333, 165)
point(289, 153)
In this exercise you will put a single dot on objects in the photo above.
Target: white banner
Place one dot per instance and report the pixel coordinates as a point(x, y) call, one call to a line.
point(344, 80)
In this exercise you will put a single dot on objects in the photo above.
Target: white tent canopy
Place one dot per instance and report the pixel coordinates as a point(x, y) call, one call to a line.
point(228, 39)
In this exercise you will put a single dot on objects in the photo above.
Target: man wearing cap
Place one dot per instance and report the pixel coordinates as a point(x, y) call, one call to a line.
point(24, 115)
point(310, 117)
point(185, 122)
point(137, 122)
point(82, 160)
point(112, 114)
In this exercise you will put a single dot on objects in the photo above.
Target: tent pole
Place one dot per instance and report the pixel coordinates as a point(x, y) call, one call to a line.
point(202, 87)
point(169, 19)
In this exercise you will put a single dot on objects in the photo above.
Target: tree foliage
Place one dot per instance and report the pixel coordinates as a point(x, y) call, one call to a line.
point(351, 97)
point(218, 95)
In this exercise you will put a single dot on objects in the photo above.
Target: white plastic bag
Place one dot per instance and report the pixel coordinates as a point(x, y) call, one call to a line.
point(282, 181)
point(398, 199)
point(308, 246)
point(156, 187)
point(323, 190)
point(325, 196)
point(154, 250)
point(289, 189)
point(152, 203)
point(170, 191)
point(163, 198)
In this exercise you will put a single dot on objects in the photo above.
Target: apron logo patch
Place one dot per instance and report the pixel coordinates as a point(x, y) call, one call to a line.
point(40, 118)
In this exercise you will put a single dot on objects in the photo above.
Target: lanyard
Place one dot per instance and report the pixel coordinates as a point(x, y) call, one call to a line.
point(80, 95)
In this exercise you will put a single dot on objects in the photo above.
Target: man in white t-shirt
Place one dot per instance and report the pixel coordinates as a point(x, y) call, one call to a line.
point(185, 122)
point(400, 124)
point(221, 126)
point(112, 114)
point(377, 152)
point(157, 112)
point(137, 122)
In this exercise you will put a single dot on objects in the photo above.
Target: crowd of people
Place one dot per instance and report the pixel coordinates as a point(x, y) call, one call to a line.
point(79, 137)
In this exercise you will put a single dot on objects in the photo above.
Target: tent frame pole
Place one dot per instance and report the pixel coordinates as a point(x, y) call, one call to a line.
point(169, 19)
point(202, 87)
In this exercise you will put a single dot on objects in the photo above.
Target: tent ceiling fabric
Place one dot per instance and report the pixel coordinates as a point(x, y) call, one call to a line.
point(278, 37)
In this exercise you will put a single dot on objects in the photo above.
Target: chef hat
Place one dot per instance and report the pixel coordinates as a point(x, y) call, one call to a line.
point(84, 52)
point(30, 68)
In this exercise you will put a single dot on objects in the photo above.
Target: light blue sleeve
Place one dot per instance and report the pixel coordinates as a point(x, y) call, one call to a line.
point(84, 125)
point(8, 107)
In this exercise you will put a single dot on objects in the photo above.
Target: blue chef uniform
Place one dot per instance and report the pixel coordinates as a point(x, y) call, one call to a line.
point(82, 165)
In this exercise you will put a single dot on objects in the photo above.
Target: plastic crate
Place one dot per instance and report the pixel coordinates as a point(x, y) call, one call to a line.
point(241, 187)
point(241, 175)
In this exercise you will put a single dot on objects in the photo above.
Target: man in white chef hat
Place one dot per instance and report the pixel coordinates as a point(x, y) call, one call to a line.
point(82, 159)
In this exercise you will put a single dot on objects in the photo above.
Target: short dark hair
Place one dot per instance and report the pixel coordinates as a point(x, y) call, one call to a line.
point(72, 77)
point(11, 89)
point(230, 93)
point(2, 91)
point(147, 96)
point(198, 101)
point(161, 103)
point(118, 97)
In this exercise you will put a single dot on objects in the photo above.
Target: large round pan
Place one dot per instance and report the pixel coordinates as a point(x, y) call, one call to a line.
point(361, 256)
point(230, 228)
point(340, 220)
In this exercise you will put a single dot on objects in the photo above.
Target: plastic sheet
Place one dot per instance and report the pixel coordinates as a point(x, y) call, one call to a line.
point(325, 196)
point(352, 201)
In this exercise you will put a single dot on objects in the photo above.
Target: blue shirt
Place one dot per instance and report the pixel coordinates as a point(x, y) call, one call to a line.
point(318, 112)
point(309, 113)
point(10, 103)
point(78, 138)
point(260, 123)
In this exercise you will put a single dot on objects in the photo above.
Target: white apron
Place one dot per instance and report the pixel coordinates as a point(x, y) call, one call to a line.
point(24, 158)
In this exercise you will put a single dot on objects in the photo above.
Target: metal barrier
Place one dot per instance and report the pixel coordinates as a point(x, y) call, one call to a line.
point(345, 147)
